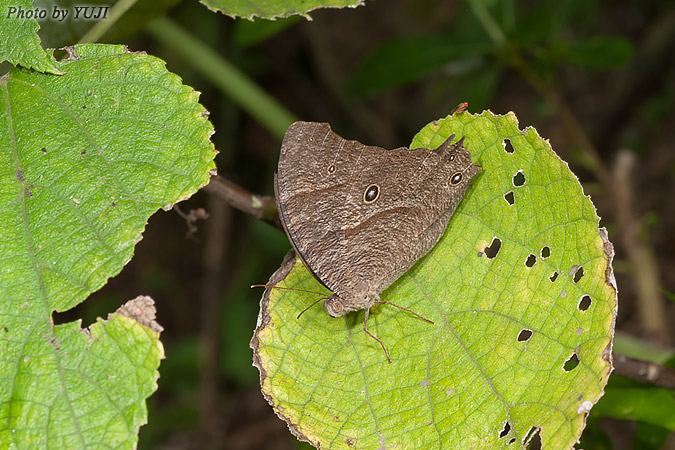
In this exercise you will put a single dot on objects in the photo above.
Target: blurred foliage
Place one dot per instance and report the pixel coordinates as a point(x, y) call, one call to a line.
point(248, 33)
point(56, 34)
point(627, 399)
point(465, 50)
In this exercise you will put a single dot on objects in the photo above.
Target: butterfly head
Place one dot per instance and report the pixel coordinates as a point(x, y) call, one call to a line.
point(338, 306)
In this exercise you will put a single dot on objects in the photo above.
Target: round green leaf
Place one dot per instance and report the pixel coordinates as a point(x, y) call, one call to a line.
point(521, 339)
point(85, 159)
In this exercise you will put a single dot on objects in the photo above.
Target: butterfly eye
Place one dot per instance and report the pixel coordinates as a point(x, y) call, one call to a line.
point(331, 168)
point(371, 194)
point(456, 178)
point(451, 157)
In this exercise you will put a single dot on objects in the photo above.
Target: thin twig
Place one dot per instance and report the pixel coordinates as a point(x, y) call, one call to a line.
point(262, 207)
point(643, 262)
point(644, 371)
point(217, 232)
point(99, 29)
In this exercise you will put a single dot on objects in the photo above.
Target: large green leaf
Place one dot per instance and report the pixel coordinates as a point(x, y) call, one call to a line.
point(271, 9)
point(85, 159)
point(521, 340)
point(19, 42)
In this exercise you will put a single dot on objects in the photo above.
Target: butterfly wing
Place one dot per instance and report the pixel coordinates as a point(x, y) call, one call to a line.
point(360, 216)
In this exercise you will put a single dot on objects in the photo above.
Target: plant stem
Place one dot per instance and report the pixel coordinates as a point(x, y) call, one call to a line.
point(261, 207)
point(98, 30)
point(645, 371)
point(490, 26)
point(230, 80)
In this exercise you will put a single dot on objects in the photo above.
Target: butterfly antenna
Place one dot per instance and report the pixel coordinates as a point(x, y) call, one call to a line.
point(284, 288)
point(293, 289)
point(304, 310)
point(365, 328)
point(406, 309)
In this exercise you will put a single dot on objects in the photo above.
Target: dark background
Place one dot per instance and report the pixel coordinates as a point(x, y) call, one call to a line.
point(575, 70)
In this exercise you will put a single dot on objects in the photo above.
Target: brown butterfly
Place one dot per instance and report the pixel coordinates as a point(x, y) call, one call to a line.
point(360, 216)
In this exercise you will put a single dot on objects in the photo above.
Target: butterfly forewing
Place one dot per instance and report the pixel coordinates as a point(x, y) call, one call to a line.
point(361, 215)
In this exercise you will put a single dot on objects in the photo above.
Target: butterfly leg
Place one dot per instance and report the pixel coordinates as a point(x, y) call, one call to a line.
point(365, 328)
point(419, 316)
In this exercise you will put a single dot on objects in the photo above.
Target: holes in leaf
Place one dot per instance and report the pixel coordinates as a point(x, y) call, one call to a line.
point(519, 179)
point(493, 249)
point(533, 439)
point(577, 272)
point(553, 277)
point(508, 147)
point(585, 303)
point(531, 260)
point(510, 199)
point(505, 430)
point(545, 252)
point(571, 363)
point(524, 335)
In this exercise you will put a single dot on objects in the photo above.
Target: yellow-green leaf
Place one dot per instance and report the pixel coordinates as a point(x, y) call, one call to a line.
point(521, 339)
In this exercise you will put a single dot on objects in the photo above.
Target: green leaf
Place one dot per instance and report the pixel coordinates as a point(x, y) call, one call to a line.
point(475, 378)
point(19, 42)
point(271, 9)
point(86, 158)
point(654, 406)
